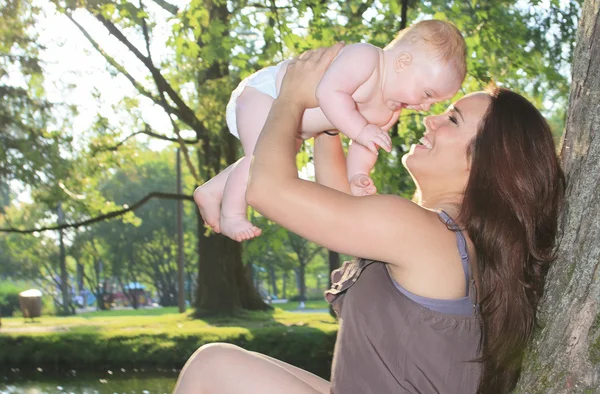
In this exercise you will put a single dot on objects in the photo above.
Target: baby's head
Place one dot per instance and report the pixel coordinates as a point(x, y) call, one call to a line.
point(426, 64)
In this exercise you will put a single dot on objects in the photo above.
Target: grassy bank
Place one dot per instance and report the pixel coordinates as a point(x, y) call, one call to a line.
point(162, 338)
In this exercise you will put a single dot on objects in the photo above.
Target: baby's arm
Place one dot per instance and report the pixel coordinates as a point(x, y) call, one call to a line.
point(360, 162)
point(349, 71)
point(330, 162)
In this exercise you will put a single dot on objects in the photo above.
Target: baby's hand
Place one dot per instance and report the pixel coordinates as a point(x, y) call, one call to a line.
point(362, 185)
point(373, 137)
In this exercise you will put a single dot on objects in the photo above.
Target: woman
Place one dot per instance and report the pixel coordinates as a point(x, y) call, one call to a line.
point(454, 304)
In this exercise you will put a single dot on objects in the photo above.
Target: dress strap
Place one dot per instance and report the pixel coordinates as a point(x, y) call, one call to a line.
point(471, 288)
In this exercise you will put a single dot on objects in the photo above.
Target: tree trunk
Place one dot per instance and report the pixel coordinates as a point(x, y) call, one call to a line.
point(273, 279)
point(302, 281)
point(565, 356)
point(284, 286)
point(190, 288)
point(80, 286)
point(223, 286)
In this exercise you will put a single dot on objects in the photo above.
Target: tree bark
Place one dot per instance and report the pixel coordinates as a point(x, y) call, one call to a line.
point(273, 279)
point(223, 286)
point(302, 281)
point(565, 355)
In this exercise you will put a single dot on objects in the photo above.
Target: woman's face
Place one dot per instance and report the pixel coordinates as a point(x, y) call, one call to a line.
point(441, 156)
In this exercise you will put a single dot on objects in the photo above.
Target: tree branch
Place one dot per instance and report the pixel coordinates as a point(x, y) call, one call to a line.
point(173, 9)
point(110, 215)
point(404, 13)
point(52, 272)
point(275, 11)
point(137, 85)
point(147, 131)
point(111, 60)
point(265, 7)
point(311, 256)
point(186, 154)
point(186, 113)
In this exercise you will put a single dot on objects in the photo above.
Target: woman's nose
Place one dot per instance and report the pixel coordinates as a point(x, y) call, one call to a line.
point(425, 107)
point(430, 122)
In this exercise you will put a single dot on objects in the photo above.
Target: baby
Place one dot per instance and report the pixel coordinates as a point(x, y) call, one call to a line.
point(361, 94)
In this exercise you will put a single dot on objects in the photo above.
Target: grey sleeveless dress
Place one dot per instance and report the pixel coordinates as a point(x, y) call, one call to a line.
point(390, 343)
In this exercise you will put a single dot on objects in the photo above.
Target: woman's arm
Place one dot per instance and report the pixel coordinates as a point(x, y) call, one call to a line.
point(374, 227)
point(330, 162)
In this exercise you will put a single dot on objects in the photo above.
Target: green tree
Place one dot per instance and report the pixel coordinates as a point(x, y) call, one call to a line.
point(31, 138)
point(199, 49)
point(271, 253)
point(210, 47)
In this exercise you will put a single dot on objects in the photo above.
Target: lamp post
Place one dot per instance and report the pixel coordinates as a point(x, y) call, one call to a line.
point(64, 278)
point(180, 281)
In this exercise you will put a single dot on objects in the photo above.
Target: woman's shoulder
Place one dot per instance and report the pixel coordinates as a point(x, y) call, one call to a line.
point(437, 262)
point(403, 210)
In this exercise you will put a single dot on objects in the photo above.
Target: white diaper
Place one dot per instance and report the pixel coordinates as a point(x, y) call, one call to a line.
point(265, 81)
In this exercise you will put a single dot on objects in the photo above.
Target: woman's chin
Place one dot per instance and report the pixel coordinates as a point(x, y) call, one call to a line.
point(413, 154)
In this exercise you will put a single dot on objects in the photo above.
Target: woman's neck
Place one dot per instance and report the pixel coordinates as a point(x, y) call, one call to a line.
point(449, 202)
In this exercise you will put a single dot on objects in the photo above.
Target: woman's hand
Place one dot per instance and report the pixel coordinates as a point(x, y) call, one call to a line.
point(304, 74)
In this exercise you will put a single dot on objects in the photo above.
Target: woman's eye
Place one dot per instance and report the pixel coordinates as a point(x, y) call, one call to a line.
point(453, 120)
point(427, 94)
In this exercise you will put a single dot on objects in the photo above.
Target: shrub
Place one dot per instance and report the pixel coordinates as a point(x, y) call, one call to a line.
point(305, 347)
point(9, 298)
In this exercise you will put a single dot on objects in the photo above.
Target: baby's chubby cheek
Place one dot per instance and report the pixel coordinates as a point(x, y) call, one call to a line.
point(395, 105)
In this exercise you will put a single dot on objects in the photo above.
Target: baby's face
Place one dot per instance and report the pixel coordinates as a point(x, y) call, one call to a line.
point(423, 83)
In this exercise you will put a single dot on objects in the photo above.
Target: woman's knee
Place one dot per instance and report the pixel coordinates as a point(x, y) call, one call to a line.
point(203, 370)
point(217, 349)
point(214, 354)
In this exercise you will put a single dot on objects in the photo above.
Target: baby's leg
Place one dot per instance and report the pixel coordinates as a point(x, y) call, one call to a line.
point(208, 198)
point(252, 110)
point(360, 162)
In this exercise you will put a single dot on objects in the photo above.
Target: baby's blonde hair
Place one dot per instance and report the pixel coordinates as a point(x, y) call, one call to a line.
point(442, 37)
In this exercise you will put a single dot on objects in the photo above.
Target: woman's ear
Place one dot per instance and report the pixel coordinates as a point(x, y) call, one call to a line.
point(403, 60)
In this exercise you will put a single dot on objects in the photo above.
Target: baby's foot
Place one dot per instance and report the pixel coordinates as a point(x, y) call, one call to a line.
point(238, 228)
point(210, 207)
point(362, 185)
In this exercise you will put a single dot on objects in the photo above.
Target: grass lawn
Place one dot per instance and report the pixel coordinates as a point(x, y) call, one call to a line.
point(168, 320)
point(162, 338)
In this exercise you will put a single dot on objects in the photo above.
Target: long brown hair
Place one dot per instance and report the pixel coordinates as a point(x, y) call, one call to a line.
point(510, 210)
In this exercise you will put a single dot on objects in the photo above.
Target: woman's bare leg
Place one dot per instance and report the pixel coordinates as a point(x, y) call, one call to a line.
point(320, 384)
point(229, 369)
point(252, 109)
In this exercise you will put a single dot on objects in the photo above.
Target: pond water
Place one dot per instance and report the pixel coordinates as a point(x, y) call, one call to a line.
point(110, 382)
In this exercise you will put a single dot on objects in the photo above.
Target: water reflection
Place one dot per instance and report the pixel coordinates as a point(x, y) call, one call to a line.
point(122, 381)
